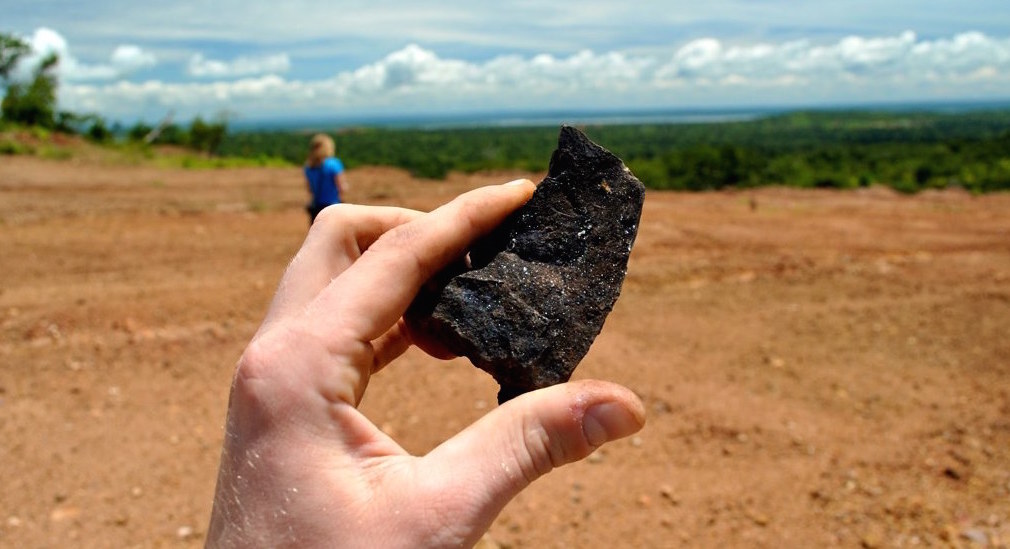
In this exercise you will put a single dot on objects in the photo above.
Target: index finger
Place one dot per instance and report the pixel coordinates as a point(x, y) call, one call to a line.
point(334, 243)
point(371, 295)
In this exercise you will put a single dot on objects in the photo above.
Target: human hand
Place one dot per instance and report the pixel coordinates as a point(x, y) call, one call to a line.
point(302, 467)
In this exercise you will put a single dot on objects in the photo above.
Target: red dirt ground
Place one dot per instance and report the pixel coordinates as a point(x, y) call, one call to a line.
point(819, 368)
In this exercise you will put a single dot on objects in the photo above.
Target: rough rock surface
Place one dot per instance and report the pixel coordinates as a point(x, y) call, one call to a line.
point(540, 286)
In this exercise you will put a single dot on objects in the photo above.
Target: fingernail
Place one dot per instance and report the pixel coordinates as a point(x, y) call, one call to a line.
point(609, 421)
point(517, 182)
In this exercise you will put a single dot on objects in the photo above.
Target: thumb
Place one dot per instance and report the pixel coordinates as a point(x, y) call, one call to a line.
point(487, 464)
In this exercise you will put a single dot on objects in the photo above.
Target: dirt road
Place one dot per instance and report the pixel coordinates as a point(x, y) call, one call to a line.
point(819, 368)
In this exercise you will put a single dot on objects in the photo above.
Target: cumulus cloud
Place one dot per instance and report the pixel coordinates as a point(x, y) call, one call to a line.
point(706, 62)
point(702, 71)
point(873, 60)
point(201, 67)
point(124, 60)
point(414, 70)
point(129, 58)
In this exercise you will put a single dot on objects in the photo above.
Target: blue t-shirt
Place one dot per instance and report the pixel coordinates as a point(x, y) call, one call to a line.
point(323, 181)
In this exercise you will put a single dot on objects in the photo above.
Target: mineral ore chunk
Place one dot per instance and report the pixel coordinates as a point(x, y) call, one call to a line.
point(540, 286)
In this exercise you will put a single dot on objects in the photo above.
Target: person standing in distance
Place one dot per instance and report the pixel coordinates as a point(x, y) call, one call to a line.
point(324, 174)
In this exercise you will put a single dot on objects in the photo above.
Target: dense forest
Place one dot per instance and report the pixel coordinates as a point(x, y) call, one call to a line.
point(908, 151)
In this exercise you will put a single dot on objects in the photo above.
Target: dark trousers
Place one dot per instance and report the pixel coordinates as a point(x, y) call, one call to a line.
point(313, 210)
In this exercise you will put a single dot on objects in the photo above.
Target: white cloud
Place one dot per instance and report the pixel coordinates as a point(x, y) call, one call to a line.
point(704, 71)
point(409, 68)
point(854, 58)
point(128, 58)
point(415, 71)
point(201, 67)
point(123, 61)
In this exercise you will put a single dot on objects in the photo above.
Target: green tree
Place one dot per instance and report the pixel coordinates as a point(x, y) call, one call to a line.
point(138, 131)
point(172, 134)
point(98, 129)
point(207, 136)
point(70, 122)
point(33, 103)
point(12, 49)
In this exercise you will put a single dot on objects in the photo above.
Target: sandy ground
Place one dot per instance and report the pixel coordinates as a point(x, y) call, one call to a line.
point(819, 368)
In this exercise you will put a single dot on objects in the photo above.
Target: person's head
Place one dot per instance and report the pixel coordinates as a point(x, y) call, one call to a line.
point(320, 148)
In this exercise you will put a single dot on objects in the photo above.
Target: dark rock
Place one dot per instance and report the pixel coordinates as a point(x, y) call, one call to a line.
point(540, 286)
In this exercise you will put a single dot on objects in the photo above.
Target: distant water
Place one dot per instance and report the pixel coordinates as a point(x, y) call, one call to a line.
point(511, 119)
point(589, 119)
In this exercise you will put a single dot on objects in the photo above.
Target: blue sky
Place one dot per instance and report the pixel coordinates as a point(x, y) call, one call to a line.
point(257, 59)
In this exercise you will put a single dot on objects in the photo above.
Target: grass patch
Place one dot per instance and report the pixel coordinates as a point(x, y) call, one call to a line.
point(40, 133)
point(10, 147)
point(199, 162)
point(55, 153)
point(258, 206)
point(43, 143)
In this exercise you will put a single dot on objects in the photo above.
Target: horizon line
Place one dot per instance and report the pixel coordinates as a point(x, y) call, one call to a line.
point(512, 117)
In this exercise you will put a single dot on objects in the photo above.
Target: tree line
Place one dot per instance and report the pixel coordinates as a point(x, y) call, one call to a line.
point(908, 151)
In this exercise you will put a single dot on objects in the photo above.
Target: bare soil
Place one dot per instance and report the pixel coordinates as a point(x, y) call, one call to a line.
point(819, 368)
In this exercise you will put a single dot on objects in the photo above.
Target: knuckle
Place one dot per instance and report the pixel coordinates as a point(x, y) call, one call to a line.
point(541, 452)
point(262, 360)
point(471, 212)
point(402, 236)
point(251, 386)
point(398, 247)
point(335, 229)
point(255, 362)
point(330, 216)
point(263, 378)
